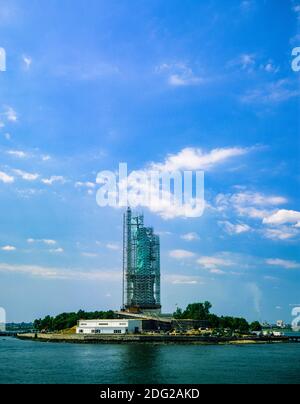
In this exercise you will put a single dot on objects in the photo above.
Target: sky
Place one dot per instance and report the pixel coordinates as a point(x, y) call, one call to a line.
point(204, 85)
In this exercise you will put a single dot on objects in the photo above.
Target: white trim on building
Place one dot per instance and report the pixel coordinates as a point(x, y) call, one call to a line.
point(114, 326)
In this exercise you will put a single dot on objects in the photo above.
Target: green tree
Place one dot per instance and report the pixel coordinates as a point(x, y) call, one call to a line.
point(178, 313)
point(197, 311)
point(69, 320)
point(255, 326)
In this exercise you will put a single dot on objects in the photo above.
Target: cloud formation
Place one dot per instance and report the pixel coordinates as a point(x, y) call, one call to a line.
point(181, 254)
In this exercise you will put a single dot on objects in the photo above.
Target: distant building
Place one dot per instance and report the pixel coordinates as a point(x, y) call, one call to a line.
point(115, 326)
point(280, 324)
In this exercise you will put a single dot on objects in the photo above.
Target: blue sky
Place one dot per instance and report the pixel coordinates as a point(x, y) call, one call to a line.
point(92, 83)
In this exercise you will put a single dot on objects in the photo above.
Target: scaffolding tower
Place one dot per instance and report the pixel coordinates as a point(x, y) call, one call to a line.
point(141, 265)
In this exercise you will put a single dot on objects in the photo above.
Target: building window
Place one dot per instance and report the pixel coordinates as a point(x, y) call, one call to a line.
point(117, 331)
point(98, 331)
point(81, 331)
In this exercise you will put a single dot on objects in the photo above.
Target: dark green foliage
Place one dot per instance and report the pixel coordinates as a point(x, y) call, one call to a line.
point(194, 311)
point(68, 320)
point(201, 311)
point(255, 326)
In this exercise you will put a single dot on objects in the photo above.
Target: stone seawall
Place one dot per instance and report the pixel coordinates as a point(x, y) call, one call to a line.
point(120, 339)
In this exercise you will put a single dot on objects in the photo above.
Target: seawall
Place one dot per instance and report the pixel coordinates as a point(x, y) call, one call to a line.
point(137, 338)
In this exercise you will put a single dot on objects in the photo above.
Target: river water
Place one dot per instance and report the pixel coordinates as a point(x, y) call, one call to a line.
point(40, 362)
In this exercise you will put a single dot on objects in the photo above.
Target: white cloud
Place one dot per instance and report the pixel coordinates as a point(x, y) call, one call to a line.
point(164, 202)
point(238, 228)
point(17, 153)
point(270, 67)
point(86, 184)
point(58, 250)
point(43, 240)
point(283, 233)
point(164, 233)
point(192, 158)
point(258, 199)
point(45, 157)
point(8, 248)
point(252, 204)
point(181, 254)
point(255, 205)
point(276, 92)
point(49, 242)
point(283, 216)
point(28, 192)
point(184, 80)
point(53, 179)
point(283, 263)
point(245, 61)
point(113, 246)
point(161, 201)
point(251, 212)
point(62, 273)
point(214, 262)
point(7, 179)
point(11, 114)
point(179, 74)
point(27, 61)
point(217, 271)
point(182, 279)
point(26, 176)
point(190, 236)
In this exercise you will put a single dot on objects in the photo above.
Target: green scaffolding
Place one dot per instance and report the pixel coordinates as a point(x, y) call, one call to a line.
point(141, 264)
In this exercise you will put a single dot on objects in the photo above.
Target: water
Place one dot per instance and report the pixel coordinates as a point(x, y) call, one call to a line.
point(40, 362)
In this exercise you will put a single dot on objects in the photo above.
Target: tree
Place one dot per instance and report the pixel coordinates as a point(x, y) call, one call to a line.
point(255, 326)
point(69, 320)
point(214, 321)
point(178, 313)
point(201, 311)
point(197, 311)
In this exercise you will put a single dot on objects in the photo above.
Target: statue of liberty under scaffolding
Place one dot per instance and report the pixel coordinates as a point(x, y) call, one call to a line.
point(141, 266)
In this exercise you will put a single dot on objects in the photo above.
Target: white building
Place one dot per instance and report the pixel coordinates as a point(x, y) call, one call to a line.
point(115, 326)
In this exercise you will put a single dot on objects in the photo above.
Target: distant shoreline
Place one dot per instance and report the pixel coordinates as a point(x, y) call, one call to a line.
point(141, 338)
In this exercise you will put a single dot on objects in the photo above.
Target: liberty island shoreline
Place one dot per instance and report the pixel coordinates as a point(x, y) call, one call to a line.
point(154, 339)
